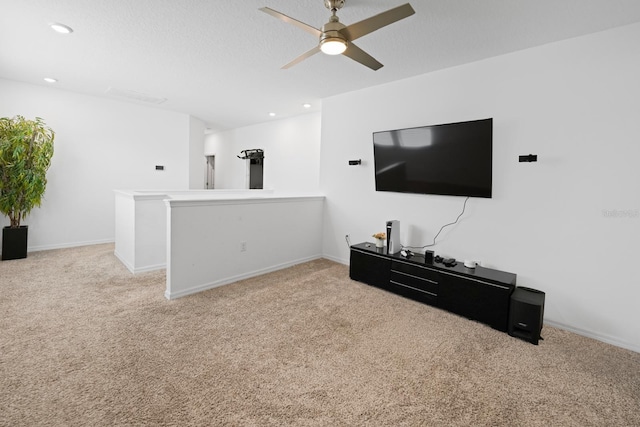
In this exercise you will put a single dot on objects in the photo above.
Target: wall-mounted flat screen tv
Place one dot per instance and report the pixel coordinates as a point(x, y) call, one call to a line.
point(449, 159)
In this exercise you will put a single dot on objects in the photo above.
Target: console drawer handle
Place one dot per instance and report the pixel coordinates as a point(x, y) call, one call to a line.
point(415, 289)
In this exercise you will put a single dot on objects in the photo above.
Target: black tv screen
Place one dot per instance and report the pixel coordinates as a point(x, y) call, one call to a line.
point(449, 159)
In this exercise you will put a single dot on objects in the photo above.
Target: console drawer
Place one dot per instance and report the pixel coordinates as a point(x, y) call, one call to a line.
point(413, 293)
point(421, 284)
point(415, 271)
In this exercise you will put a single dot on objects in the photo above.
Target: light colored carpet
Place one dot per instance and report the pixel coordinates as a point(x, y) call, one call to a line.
point(83, 342)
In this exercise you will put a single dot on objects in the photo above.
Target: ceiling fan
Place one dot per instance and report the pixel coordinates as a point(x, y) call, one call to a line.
point(336, 38)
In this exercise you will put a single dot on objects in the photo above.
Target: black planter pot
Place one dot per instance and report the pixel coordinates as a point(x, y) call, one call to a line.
point(14, 242)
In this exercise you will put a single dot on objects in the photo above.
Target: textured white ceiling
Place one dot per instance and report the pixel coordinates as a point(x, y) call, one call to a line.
point(220, 60)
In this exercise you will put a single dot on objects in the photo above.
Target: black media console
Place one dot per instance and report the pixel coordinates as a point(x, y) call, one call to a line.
point(480, 294)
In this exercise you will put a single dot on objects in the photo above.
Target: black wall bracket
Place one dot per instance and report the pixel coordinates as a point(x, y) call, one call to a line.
point(355, 162)
point(529, 158)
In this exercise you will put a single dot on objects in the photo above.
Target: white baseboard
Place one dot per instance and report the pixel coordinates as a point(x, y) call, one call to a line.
point(124, 262)
point(148, 268)
point(69, 245)
point(596, 336)
point(229, 280)
point(336, 259)
point(135, 270)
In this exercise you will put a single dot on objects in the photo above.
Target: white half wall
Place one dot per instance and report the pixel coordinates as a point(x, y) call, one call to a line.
point(100, 145)
point(215, 242)
point(568, 225)
point(141, 230)
point(141, 223)
point(291, 148)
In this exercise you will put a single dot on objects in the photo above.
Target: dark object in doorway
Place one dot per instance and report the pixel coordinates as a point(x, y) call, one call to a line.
point(256, 167)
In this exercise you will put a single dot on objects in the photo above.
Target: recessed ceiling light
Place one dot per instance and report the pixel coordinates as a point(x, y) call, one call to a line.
point(61, 28)
point(50, 80)
point(306, 105)
point(272, 114)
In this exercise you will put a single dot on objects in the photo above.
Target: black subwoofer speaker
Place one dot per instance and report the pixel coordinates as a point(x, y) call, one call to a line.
point(526, 313)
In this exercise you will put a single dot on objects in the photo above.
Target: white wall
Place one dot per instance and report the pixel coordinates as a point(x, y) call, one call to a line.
point(100, 145)
point(574, 104)
point(291, 148)
point(197, 161)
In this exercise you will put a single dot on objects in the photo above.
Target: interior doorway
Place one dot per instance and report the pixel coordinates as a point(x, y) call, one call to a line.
point(255, 167)
point(210, 172)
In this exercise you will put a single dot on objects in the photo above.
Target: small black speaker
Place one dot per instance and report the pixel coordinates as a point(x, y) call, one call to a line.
point(526, 314)
point(428, 257)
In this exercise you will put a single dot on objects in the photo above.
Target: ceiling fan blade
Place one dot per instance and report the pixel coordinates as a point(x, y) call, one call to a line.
point(369, 25)
point(359, 55)
point(302, 57)
point(308, 28)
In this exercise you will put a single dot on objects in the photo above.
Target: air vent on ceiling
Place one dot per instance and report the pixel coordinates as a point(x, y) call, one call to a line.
point(131, 94)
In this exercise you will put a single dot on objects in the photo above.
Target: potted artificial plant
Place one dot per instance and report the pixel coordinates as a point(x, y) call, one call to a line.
point(26, 148)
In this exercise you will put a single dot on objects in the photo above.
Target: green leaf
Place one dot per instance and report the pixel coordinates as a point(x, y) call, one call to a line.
point(26, 149)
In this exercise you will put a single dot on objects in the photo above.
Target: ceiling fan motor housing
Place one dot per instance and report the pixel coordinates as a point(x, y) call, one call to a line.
point(332, 30)
point(333, 5)
point(331, 33)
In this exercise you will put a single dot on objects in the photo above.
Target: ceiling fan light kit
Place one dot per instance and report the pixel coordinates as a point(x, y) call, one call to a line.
point(335, 38)
point(333, 46)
